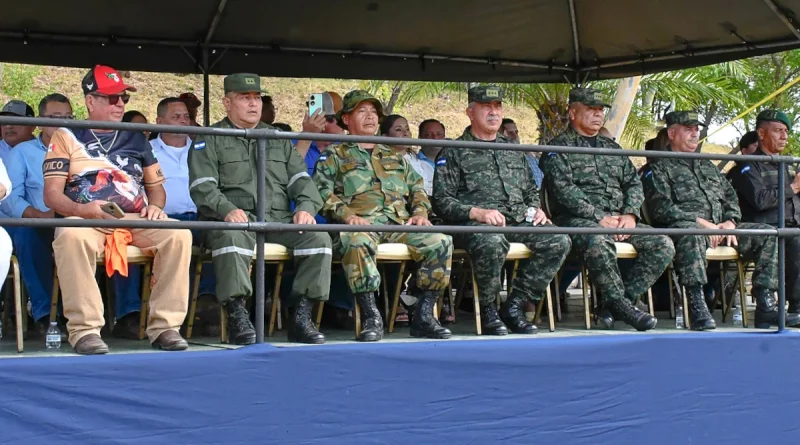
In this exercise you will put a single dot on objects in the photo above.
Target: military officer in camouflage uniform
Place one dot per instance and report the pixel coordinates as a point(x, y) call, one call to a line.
point(692, 193)
point(756, 183)
point(364, 184)
point(480, 187)
point(222, 175)
point(603, 191)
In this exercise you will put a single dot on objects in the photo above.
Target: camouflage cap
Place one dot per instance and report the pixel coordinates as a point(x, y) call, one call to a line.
point(242, 83)
point(353, 99)
point(683, 118)
point(589, 97)
point(485, 94)
point(774, 116)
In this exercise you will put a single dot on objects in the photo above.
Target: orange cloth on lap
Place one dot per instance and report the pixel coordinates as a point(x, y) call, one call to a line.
point(117, 252)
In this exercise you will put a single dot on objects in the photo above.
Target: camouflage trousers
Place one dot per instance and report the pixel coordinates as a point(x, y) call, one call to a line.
point(600, 257)
point(690, 257)
point(487, 252)
point(432, 251)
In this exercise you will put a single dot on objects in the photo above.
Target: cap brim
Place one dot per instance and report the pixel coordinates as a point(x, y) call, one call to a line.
point(116, 90)
point(11, 113)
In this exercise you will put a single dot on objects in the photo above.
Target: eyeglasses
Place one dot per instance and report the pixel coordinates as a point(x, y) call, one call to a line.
point(58, 116)
point(113, 99)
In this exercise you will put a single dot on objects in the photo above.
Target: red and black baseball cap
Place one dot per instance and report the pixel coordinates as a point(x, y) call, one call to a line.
point(104, 80)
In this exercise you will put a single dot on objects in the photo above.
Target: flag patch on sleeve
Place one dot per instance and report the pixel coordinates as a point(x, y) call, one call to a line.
point(200, 145)
point(441, 162)
point(745, 169)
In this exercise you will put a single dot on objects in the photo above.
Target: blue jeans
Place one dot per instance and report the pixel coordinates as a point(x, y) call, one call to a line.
point(208, 282)
point(34, 250)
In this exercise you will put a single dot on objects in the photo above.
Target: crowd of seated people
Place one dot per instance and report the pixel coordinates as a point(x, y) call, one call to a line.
point(103, 174)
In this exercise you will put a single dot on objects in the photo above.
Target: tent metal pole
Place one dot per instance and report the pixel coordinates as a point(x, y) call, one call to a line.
point(781, 15)
point(781, 249)
point(215, 21)
point(576, 44)
point(261, 191)
point(206, 113)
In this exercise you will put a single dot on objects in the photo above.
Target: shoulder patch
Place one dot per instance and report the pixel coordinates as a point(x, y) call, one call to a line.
point(552, 153)
point(323, 157)
point(745, 169)
point(200, 145)
point(441, 161)
point(648, 174)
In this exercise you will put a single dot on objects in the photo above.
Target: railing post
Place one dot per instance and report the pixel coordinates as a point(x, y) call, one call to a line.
point(261, 189)
point(781, 247)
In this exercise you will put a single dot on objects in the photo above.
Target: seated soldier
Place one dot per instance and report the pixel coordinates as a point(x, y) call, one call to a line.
point(604, 191)
point(691, 194)
point(480, 187)
point(364, 184)
point(222, 171)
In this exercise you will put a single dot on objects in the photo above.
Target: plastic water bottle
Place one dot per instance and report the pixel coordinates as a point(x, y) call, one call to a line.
point(53, 336)
point(679, 316)
point(737, 311)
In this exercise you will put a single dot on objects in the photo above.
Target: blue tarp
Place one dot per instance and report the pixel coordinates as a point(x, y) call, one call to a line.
point(704, 388)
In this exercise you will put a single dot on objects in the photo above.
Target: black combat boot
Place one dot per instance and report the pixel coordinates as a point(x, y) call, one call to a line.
point(240, 329)
point(766, 308)
point(302, 328)
point(423, 323)
point(603, 317)
point(490, 321)
point(371, 321)
point(793, 314)
point(513, 316)
point(699, 316)
point(623, 309)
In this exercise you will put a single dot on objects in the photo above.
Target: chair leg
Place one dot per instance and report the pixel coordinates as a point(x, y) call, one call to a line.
point(686, 322)
point(557, 294)
point(276, 300)
point(54, 298)
point(357, 318)
point(550, 316)
point(223, 324)
point(198, 270)
point(396, 296)
point(18, 303)
point(476, 301)
point(148, 267)
point(723, 281)
point(585, 288)
point(671, 292)
point(742, 299)
point(321, 306)
point(650, 302)
point(385, 293)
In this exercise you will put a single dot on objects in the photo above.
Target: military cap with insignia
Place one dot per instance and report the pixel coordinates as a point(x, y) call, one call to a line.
point(589, 97)
point(683, 118)
point(353, 99)
point(242, 83)
point(485, 94)
point(774, 116)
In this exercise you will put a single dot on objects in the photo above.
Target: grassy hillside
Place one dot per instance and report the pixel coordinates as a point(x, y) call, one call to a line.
point(31, 83)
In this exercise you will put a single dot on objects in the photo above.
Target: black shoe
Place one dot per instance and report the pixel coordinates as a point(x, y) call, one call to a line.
point(513, 316)
point(603, 318)
point(793, 315)
point(302, 328)
point(240, 329)
point(490, 321)
point(371, 321)
point(623, 309)
point(127, 327)
point(766, 309)
point(700, 318)
point(423, 323)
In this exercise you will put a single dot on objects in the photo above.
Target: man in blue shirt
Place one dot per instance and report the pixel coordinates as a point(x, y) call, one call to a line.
point(12, 135)
point(172, 151)
point(33, 246)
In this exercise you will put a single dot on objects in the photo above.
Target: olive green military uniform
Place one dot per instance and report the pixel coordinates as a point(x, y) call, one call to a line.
point(222, 175)
point(380, 187)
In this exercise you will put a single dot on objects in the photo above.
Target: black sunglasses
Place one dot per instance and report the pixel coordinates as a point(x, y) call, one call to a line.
point(114, 99)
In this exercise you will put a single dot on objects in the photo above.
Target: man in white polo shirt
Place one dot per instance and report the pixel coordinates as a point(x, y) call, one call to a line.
point(172, 151)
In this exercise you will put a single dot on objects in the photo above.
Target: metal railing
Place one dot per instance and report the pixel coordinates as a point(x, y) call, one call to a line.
point(261, 226)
